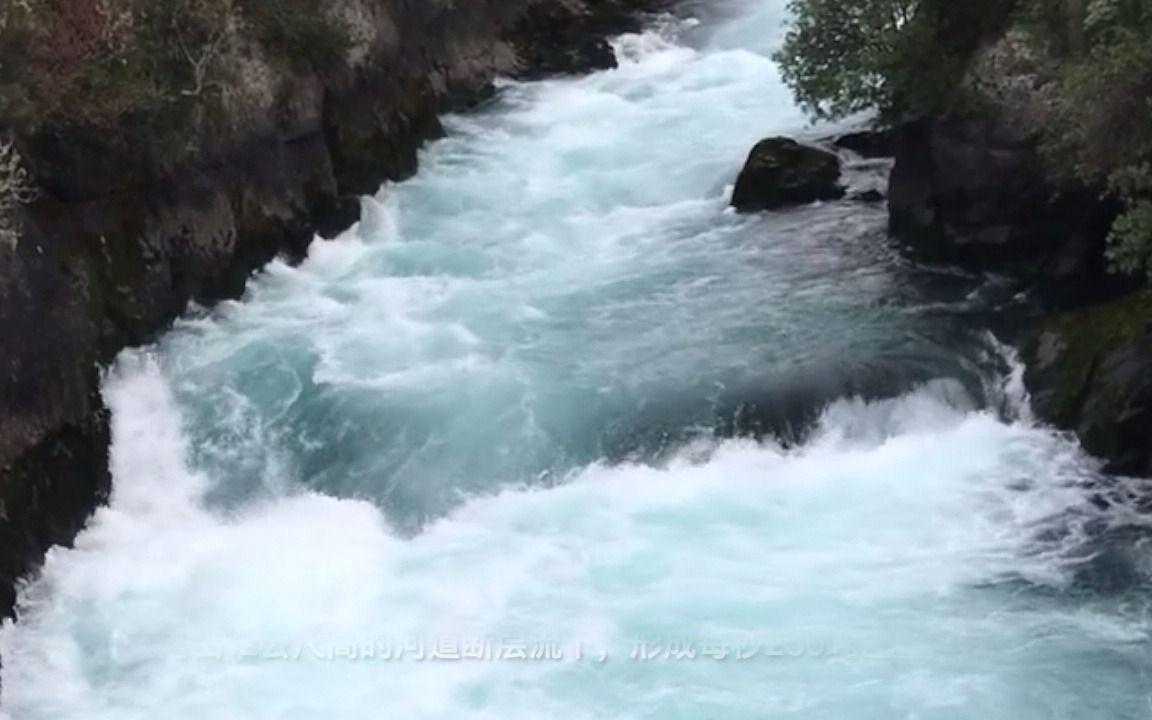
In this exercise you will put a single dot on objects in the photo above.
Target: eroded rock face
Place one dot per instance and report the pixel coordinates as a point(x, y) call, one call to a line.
point(1090, 371)
point(780, 172)
point(976, 193)
point(122, 238)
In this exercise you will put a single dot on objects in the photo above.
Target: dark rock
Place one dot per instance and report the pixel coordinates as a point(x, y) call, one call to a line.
point(977, 194)
point(565, 55)
point(375, 130)
point(868, 144)
point(47, 495)
point(868, 196)
point(334, 215)
point(781, 172)
point(1090, 371)
point(564, 38)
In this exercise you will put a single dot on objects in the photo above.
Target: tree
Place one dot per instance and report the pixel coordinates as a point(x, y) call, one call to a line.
point(900, 57)
point(836, 54)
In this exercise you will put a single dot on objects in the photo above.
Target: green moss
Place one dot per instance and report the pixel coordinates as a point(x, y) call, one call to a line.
point(1067, 364)
point(1107, 325)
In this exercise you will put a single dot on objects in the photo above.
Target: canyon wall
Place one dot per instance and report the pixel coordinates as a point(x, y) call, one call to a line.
point(119, 238)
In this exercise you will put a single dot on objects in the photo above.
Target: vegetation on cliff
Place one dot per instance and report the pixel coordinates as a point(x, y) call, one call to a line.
point(171, 73)
point(1079, 72)
point(900, 57)
point(95, 61)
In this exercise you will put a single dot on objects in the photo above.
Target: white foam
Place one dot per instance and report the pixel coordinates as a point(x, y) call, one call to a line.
point(854, 541)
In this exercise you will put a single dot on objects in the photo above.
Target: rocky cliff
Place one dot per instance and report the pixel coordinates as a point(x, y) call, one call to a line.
point(976, 192)
point(120, 237)
point(1090, 371)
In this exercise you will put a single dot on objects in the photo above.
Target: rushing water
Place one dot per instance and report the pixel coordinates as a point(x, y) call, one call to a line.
point(550, 398)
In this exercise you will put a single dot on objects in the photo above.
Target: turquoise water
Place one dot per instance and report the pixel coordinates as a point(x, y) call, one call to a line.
point(552, 433)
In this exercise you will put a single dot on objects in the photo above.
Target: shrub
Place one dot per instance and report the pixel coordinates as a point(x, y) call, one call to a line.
point(1101, 126)
point(1130, 242)
point(95, 61)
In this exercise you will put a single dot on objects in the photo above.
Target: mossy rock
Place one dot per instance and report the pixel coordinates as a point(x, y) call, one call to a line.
point(1090, 370)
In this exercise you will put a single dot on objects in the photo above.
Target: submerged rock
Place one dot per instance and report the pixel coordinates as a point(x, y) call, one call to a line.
point(1090, 371)
point(781, 172)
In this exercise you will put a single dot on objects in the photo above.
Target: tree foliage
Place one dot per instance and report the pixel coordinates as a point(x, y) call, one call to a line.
point(836, 54)
point(906, 58)
point(1100, 124)
point(901, 57)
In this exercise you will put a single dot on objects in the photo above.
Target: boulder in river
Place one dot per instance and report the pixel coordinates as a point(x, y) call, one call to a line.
point(780, 172)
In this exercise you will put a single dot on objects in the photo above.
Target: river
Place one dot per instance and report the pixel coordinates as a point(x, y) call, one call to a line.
point(554, 433)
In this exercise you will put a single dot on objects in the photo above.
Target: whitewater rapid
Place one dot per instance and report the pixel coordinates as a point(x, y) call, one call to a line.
point(552, 433)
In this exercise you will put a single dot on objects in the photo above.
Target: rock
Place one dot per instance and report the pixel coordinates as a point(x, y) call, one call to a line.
point(781, 172)
point(868, 144)
point(334, 215)
point(977, 194)
point(565, 38)
point(868, 196)
point(554, 39)
point(1090, 371)
point(48, 494)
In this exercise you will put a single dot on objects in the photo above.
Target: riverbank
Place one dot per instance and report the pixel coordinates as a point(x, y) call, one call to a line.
point(977, 193)
point(117, 237)
point(1023, 151)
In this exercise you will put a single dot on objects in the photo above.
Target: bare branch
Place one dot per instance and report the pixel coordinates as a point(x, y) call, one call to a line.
point(16, 190)
point(201, 62)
